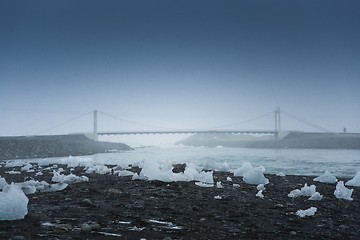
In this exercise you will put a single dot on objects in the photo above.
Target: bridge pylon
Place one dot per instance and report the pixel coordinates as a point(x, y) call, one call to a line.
point(277, 124)
point(95, 131)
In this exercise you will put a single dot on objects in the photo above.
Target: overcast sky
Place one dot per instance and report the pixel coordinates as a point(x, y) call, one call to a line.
point(178, 64)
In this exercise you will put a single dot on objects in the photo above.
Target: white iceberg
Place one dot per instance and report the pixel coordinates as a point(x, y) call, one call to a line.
point(355, 182)
point(255, 177)
point(341, 192)
point(306, 213)
point(239, 172)
point(13, 203)
point(327, 177)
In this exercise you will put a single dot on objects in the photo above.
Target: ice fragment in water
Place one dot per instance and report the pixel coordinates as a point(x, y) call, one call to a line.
point(355, 182)
point(327, 177)
point(13, 203)
point(341, 192)
point(306, 213)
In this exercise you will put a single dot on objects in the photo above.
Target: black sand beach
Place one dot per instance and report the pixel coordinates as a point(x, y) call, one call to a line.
point(121, 208)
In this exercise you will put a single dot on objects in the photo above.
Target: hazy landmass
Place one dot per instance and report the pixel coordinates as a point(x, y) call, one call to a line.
point(292, 140)
point(54, 146)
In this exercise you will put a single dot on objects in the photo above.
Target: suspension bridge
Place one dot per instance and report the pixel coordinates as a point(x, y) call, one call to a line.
point(276, 131)
point(224, 129)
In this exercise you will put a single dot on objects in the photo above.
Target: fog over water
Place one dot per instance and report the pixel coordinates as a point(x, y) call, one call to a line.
point(177, 64)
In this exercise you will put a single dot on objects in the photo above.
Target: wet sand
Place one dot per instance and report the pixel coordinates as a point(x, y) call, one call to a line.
point(121, 208)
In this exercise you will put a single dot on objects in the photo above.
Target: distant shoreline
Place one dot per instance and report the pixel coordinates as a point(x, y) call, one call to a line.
point(294, 140)
point(54, 146)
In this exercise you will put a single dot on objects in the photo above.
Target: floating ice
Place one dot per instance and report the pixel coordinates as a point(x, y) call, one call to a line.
point(13, 172)
point(306, 213)
point(341, 192)
point(13, 203)
point(355, 182)
point(255, 177)
point(327, 177)
point(71, 178)
point(239, 172)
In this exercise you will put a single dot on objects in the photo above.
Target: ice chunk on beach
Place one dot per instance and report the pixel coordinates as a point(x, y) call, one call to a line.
point(295, 193)
point(153, 171)
point(327, 177)
point(355, 182)
point(3, 183)
point(202, 184)
point(260, 194)
point(245, 167)
point(13, 203)
point(341, 192)
point(219, 185)
point(71, 178)
point(124, 173)
point(99, 169)
point(306, 213)
point(308, 190)
point(316, 197)
point(255, 177)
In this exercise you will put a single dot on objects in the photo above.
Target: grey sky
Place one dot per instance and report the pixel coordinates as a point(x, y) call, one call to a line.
point(180, 64)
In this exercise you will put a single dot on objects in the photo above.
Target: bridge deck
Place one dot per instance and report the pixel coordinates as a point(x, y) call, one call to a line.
point(189, 132)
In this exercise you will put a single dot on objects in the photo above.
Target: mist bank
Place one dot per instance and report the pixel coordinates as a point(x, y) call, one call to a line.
point(296, 140)
point(54, 146)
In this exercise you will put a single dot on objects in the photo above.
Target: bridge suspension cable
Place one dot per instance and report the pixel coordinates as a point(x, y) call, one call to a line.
point(242, 122)
point(166, 128)
point(305, 122)
point(61, 124)
point(132, 122)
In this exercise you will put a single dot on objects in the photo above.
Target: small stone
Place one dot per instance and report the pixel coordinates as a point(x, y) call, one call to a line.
point(167, 238)
point(293, 233)
point(95, 227)
point(86, 227)
point(19, 238)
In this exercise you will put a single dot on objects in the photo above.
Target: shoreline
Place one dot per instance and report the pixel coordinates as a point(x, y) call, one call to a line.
point(12, 148)
point(135, 209)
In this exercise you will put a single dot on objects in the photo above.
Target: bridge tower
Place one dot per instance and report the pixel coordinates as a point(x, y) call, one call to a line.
point(95, 131)
point(277, 124)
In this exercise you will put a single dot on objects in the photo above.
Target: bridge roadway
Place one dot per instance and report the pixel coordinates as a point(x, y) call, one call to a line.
point(188, 132)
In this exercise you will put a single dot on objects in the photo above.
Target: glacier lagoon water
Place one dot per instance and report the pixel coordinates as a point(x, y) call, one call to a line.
point(314, 162)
